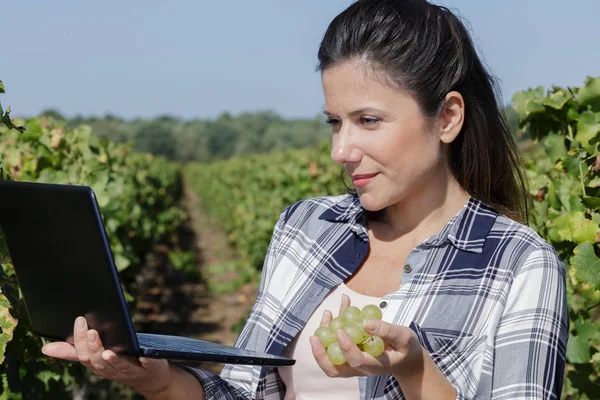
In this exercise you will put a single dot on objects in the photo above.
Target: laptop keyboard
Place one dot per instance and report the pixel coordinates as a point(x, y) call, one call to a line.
point(183, 344)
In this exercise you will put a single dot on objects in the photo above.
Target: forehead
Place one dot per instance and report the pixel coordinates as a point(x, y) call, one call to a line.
point(352, 84)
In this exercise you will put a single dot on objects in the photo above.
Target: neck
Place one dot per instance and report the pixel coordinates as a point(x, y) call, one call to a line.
point(423, 214)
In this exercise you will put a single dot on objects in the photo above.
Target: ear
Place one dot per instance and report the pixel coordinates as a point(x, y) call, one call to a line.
point(452, 117)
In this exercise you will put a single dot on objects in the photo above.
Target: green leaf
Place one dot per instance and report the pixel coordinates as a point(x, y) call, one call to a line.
point(121, 262)
point(526, 102)
point(591, 202)
point(587, 265)
point(2, 87)
point(590, 94)
point(582, 229)
point(561, 227)
point(555, 146)
point(7, 324)
point(578, 350)
point(587, 129)
point(557, 100)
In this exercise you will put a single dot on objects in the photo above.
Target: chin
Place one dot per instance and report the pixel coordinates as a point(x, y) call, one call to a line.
point(370, 203)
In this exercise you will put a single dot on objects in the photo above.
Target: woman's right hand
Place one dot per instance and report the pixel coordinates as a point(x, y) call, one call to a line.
point(150, 377)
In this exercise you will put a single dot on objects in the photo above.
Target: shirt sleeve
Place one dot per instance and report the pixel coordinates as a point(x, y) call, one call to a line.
point(238, 382)
point(531, 337)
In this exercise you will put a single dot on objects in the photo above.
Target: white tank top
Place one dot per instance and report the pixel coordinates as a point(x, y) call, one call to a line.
point(305, 380)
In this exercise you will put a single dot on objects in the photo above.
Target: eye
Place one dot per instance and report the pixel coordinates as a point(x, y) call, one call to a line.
point(332, 121)
point(370, 121)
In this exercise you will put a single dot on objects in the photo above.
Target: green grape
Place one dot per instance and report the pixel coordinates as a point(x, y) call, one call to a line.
point(336, 323)
point(374, 346)
point(355, 332)
point(371, 311)
point(335, 354)
point(326, 335)
point(352, 314)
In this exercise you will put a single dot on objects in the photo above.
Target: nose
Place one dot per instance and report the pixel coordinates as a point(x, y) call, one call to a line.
point(344, 149)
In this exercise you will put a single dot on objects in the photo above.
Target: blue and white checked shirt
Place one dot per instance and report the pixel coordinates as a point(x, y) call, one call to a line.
point(486, 297)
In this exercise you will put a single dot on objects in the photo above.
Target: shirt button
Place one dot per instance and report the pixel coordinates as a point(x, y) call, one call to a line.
point(407, 268)
point(357, 255)
point(383, 304)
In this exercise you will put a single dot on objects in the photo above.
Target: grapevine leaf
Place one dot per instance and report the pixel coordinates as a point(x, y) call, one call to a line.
point(121, 262)
point(586, 329)
point(573, 113)
point(555, 146)
point(591, 202)
point(588, 128)
point(528, 102)
point(578, 350)
point(561, 229)
point(582, 229)
point(590, 94)
point(7, 323)
point(557, 100)
point(594, 182)
point(587, 265)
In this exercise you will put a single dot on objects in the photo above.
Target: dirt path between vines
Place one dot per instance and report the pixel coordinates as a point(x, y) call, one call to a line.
point(173, 304)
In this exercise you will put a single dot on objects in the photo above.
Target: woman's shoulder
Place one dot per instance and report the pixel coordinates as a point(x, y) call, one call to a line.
point(319, 208)
point(519, 231)
point(521, 238)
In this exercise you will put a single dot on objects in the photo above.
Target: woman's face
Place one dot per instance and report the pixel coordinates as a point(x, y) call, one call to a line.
point(381, 137)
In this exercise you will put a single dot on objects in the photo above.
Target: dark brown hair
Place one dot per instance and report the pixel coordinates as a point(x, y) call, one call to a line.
point(426, 50)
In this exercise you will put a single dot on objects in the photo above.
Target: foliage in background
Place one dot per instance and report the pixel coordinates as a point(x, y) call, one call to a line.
point(564, 175)
point(137, 194)
point(226, 136)
point(207, 139)
point(247, 194)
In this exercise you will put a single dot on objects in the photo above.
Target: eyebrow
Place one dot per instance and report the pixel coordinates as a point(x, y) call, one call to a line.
point(356, 112)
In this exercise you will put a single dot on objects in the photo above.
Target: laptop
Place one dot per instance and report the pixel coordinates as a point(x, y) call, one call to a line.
point(65, 268)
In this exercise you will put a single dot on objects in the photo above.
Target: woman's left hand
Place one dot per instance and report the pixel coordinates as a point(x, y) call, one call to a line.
point(403, 354)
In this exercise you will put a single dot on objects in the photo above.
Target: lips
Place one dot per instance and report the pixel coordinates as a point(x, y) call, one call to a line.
point(359, 180)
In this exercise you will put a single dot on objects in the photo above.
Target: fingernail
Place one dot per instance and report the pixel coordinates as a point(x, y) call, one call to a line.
point(370, 325)
point(91, 337)
point(80, 322)
point(143, 360)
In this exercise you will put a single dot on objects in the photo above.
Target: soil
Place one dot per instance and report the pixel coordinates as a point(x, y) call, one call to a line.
point(171, 303)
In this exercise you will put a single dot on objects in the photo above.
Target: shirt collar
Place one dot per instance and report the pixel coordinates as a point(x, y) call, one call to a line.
point(467, 230)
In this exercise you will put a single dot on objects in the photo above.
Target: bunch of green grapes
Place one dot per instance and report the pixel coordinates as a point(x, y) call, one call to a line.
point(351, 321)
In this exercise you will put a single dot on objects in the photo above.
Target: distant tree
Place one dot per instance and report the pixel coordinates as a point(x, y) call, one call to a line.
point(53, 113)
point(156, 138)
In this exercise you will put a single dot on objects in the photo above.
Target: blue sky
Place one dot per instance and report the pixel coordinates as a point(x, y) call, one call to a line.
point(198, 58)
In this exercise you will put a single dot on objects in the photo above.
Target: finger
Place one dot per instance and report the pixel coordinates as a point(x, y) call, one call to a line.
point(354, 356)
point(61, 350)
point(345, 303)
point(398, 337)
point(320, 355)
point(81, 340)
point(326, 318)
point(95, 350)
point(122, 365)
point(333, 371)
point(153, 364)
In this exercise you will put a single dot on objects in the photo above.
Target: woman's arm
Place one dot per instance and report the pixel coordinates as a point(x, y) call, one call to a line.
point(531, 337)
point(427, 382)
point(183, 386)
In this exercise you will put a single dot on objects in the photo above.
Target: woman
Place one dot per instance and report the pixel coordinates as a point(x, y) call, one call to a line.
point(473, 302)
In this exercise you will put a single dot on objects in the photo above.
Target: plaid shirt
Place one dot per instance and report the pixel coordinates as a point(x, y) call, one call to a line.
point(486, 297)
